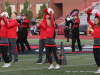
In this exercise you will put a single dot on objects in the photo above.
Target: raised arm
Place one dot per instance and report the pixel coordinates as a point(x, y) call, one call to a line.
point(52, 22)
point(88, 20)
point(26, 21)
point(5, 19)
point(14, 23)
point(39, 27)
point(77, 21)
point(43, 25)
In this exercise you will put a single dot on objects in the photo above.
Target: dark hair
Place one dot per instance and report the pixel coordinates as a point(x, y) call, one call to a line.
point(50, 18)
point(3, 20)
point(98, 18)
point(67, 16)
point(15, 13)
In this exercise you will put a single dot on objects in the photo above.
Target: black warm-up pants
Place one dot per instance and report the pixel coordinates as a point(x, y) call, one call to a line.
point(42, 43)
point(23, 39)
point(67, 34)
point(48, 50)
point(96, 52)
point(4, 51)
point(75, 35)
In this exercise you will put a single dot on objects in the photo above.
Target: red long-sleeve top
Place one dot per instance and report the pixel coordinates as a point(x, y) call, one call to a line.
point(4, 29)
point(25, 23)
point(0, 25)
point(50, 30)
point(96, 30)
point(77, 23)
point(42, 28)
point(12, 29)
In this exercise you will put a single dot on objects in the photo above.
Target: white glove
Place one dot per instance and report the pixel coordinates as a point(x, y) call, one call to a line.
point(49, 10)
point(94, 12)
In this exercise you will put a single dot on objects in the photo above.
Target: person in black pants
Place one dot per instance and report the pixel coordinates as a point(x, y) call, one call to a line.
point(4, 43)
point(19, 20)
point(23, 33)
point(69, 25)
point(96, 27)
point(75, 33)
point(50, 42)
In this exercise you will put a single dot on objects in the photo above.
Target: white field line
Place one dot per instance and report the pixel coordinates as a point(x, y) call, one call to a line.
point(88, 58)
point(47, 67)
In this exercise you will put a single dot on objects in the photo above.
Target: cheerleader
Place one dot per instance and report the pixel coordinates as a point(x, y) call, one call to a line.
point(50, 42)
point(4, 41)
point(96, 27)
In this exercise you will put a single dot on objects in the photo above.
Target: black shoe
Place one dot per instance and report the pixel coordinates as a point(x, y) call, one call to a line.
point(15, 61)
point(45, 63)
point(18, 50)
point(38, 62)
point(29, 50)
point(73, 50)
point(22, 51)
point(80, 49)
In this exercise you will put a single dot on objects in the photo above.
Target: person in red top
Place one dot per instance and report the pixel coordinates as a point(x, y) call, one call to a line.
point(23, 33)
point(42, 41)
point(4, 43)
point(75, 33)
point(96, 27)
point(12, 35)
point(50, 42)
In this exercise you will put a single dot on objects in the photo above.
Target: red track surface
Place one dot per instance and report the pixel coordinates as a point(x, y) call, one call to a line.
point(83, 37)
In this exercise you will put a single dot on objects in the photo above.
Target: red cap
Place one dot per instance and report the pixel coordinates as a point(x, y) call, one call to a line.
point(24, 14)
point(76, 15)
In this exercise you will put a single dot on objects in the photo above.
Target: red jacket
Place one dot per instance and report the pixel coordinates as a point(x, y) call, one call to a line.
point(0, 25)
point(42, 29)
point(25, 23)
point(4, 28)
point(77, 23)
point(12, 29)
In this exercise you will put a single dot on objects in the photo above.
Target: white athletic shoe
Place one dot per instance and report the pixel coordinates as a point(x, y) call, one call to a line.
point(98, 71)
point(51, 67)
point(57, 67)
point(6, 65)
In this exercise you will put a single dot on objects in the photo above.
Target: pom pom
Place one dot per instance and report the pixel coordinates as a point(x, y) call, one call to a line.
point(94, 12)
point(4, 13)
point(49, 10)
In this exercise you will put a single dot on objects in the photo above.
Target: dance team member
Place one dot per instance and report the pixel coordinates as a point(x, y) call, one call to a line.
point(50, 42)
point(96, 27)
point(12, 35)
point(4, 43)
point(42, 41)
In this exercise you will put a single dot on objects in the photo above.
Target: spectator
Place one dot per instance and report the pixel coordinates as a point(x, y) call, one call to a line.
point(33, 21)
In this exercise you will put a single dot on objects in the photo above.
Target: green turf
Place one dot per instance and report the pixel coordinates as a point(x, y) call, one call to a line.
point(58, 42)
point(75, 62)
